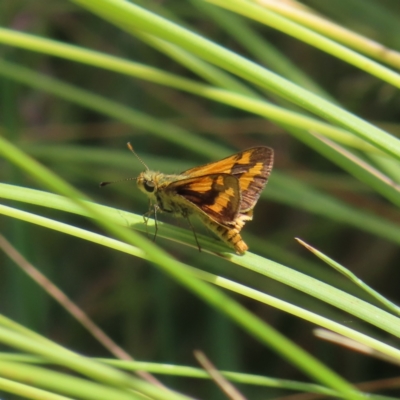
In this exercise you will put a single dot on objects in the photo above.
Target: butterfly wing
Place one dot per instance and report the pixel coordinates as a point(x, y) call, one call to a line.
point(251, 167)
point(217, 195)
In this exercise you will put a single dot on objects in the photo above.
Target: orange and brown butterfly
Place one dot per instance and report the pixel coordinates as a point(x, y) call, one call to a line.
point(222, 193)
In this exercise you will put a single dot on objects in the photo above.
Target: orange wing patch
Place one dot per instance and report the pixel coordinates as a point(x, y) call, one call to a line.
point(217, 195)
point(251, 167)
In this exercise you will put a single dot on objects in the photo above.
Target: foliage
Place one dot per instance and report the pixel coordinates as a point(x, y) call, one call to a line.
point(189, 83)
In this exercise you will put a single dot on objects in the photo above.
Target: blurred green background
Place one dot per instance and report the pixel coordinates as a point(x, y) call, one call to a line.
point(144, 311)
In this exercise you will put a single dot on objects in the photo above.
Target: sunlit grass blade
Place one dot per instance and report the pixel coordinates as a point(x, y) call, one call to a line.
point(129, 14)
point(170, 132)
point(255, 263)
point(259, 47)
point(353, 345)
point(70, 385)
point(334, 31)
point(252, 324)
point(271, 269)
point(27, 391)
point(265, 16)
point(353, 165)
point(352, 277)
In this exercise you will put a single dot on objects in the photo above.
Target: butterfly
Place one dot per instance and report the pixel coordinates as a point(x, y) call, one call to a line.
point(221, 194)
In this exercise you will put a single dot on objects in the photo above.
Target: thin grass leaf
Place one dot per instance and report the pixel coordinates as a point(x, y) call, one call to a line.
point(353, 278)
point(129, 14)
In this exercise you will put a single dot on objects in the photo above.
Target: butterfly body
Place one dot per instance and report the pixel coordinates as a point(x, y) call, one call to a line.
point(222, 194)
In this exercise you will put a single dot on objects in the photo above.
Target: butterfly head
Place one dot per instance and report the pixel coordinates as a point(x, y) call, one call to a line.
point(147, 182)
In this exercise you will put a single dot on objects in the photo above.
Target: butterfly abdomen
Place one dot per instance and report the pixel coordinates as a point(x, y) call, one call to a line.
point(232, 237)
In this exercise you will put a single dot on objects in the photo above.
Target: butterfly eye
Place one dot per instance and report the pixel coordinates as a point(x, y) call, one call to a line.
point(149, 186)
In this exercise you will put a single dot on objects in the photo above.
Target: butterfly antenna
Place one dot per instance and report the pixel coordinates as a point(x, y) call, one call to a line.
point(121, 180)
point(133, 151)
point(127, 179)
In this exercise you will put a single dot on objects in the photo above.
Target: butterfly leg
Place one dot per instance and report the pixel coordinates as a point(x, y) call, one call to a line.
point(194, 233)
point(147, 215)
point(156, 208)
point(153, 208)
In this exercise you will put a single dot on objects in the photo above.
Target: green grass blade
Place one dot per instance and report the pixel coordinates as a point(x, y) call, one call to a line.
point(129, 14)
point(252, 324)
point(353, 278)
